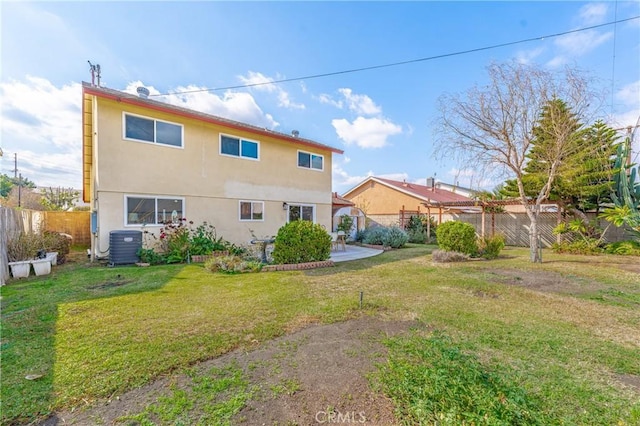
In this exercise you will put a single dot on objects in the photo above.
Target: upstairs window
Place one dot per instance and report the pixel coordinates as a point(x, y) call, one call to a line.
point(154, 131)
point(310, 161)
point(237, 147)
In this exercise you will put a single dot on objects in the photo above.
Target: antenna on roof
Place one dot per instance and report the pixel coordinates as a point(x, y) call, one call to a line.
point(95, 73)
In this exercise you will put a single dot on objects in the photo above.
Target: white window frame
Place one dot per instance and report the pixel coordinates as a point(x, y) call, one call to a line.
point(315, 209)
point(252, 202)
point(155, 216)
point(155, 132)
point(311, 155)
point(240, 140)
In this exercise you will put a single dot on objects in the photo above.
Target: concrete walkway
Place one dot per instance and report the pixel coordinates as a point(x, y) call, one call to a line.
point(353, 253)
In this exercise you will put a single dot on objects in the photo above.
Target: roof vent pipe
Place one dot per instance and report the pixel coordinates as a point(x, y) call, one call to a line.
point(143, 92)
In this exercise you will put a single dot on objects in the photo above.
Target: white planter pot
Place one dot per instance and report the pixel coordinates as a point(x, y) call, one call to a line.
point(20, 269)
point(41, 266)
point(53, 257)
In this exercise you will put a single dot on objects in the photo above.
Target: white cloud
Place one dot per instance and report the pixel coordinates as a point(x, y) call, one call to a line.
point(366, 132)
point(239, 106)
point(264, 83)
point(529, 56)
point(630, 94)
point(360, 104)
point(42, 124)
point(327, 99)
point(578, 44)
point(593, 13)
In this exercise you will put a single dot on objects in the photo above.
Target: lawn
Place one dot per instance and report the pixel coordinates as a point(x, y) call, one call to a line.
point(565, 333)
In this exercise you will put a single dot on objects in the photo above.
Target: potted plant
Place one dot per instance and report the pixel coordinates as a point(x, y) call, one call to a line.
point(20, 250)
point(42, 263)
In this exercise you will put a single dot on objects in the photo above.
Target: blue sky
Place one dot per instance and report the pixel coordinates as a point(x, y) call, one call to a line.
point(381, 118)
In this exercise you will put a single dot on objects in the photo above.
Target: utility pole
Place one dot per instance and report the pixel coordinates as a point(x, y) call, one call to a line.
point(15, 165)
point(20, 191)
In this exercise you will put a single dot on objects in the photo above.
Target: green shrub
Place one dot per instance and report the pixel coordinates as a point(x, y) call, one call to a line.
point(416, 231)
point(629, 248)
point(588, 246)
point(203, 240)
point(232, 265)
point(490, 247)
point(457, 236)
point(301, 241)
point(24, 246)
point(443, 256)
point(150, 256)
point(375, 235)
point(55, 241)
point(179, 240)
point(395, 238)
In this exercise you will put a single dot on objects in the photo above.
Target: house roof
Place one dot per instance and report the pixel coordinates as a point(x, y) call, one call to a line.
point(338, 201)
point(422, 192)
point(127, 98)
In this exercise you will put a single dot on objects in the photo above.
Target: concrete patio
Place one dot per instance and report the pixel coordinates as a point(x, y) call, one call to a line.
point(352, 252)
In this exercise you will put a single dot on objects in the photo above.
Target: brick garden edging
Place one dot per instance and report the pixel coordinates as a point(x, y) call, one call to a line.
point(298, 266)
point(201, 258)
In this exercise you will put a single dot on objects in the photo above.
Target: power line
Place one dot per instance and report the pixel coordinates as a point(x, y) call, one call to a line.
point(411, 61)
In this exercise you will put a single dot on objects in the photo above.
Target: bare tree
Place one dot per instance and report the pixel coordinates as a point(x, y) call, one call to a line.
point(492, 126)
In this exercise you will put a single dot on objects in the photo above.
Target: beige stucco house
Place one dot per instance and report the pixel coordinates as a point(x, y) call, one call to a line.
point(147, 162)
point(390, 202)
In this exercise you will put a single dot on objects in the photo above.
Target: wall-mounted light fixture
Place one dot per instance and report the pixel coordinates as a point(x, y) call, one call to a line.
point(284, 205)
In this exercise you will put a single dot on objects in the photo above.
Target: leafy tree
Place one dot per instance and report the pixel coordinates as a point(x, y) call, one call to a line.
point(25, 198)
point(59, 198)
point(7, 182)
point(492, 126)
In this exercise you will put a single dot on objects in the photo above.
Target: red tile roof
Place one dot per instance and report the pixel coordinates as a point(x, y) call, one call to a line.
point(337, 200)
point(423, 192)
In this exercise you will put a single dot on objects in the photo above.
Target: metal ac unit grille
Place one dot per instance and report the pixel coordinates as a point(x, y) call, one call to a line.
point(124, 246)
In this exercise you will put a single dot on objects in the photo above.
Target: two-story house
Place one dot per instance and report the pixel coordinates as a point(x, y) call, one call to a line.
point(147, 162)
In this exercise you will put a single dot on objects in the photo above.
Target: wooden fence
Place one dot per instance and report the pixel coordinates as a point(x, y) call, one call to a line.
point(514, 226)
point(14, 222)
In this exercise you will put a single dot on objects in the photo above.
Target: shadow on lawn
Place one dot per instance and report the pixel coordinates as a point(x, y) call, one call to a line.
point(29, 316)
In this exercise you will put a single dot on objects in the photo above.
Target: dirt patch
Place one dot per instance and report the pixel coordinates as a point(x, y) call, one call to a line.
point(545, 281)
point(119, 281)
point(629, 380)
point(309, 377)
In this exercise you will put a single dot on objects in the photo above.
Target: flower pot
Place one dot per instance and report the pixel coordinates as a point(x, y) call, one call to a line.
point(20, 269)
point(53, 257)
point(41, 266)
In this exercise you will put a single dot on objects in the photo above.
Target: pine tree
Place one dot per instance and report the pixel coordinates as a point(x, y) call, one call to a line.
point(584, 180)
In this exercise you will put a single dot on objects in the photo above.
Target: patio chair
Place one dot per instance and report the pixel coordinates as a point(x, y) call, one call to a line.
point(341, 240)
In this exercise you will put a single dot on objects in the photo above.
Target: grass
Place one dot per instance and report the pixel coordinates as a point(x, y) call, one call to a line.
point(433, 381)
point(94, 332)
point(210, 399)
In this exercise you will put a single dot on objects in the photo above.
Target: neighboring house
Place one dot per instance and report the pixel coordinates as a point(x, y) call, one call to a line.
point(456, 189)
point(342, 206)
point(148, 162)
point(389, 202)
